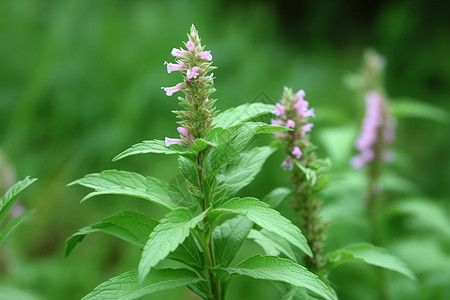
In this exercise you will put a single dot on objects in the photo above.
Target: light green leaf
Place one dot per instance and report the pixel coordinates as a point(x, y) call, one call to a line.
point(369, 254)
point(153, 146)
point(8, 199)
point(272, 243)
point(413, 108)
point(228, 238)
point(266, 217)
point(188, 169)
point(127, 286)
point(339, 143)
point(129, 184)
point(242, 113)
point(129, 226)
point(279, 269)
point(278, 195)
point(243, 169)
point(201, 144)
point(310, 174)
point(266, 128)
point(6, 230)
point(171, 231)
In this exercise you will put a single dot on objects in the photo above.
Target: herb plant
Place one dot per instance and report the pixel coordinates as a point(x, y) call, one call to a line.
point(215, 165)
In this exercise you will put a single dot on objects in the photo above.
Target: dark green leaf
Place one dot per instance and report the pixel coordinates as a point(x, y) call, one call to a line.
point(129, 184)
point(278, 195)
point(127, 286)
point(153, 146)
point(279, 269)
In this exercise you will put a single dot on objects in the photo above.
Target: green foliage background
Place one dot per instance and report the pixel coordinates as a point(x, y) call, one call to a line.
point(80, 82)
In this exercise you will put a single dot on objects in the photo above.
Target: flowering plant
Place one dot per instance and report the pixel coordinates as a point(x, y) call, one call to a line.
point(215, 168)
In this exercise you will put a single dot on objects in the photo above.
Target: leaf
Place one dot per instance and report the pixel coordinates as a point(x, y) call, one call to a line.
point(8, 199)
point(272, 243)
point(370, 254)
point(129, 226)
point(276, 196)
point(242, 113)
point(280, 269)
point(266, 217)
point(12, 224)
point(413, 108)
point(188, 253)
point(201, 144)
point(127, 286)
point(242, 170)
point(153, 146)
point(310, 174)
point(228, 238)
point(171, 231)
point(266, 128)
point(339, 143)
point(129, 184)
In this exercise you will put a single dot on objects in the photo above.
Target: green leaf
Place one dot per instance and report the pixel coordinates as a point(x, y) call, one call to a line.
point(8, 199)
point(413, 108)
point(153, 146)
point(242, 170)
point(310, 174)
point(272, 243)
point(12, 224)
point(370, 254)
point(266, 128)
point(127, 286)
point(201, 144)
point(242, 113)
point(228, 238)
point(188, 253)
point(279, 269)
point(188, 169)
point(276, 196)
point(171, 231)
point(129, 184)
point(266, 217)
point(129, 226)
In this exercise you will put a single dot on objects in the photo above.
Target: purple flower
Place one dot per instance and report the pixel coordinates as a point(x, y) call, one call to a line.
point(174, 67)
point(173, 89)
point(307, 127)
point(179, 52)
point(300, 95)
point(192, 73)
point(205, 55)
point(297, 152)
point(276, 123)
point(290, 123)
point(357, 162)
point(279, 109)
point(309, 113)
point(170, 141)
point(287, 163)
point(190, 45)
point(186, 133)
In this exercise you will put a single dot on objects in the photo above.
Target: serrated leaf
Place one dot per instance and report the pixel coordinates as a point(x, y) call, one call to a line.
point(171, 231)
point(413, 108)
point(242, 170)
point(266, 217)
point(188, 169)
point(188, 253)
point(6, 230)
point(8, 199)
point(242, 113)
point(272, 243)
point(370, 254)
point(129, 226)
point(153, 146)
point(201, 144)
point(128, 184)
point(279, 269)
point(276, 196)
point(266, 128)
point(228, 238)
point(127, 286)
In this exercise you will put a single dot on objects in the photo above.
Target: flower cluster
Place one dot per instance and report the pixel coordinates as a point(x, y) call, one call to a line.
point(377, 129)
point(197, 108)
point(293, 112)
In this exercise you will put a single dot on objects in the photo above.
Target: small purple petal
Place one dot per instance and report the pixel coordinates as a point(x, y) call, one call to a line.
point(297, 152)
point(190, 45)
point(170, 141)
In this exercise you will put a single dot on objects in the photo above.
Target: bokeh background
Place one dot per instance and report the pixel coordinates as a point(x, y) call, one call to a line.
point(80, 82)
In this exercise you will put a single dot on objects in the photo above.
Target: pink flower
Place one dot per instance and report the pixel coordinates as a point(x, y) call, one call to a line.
point(186, 133)
point(174, 67)
point(205, 55)
point(309, 113)
point(300, 95)
point(192, 73)
point(279, 109)
point(277, 123)
point(190, 45)
point(173, 89)
point(287, 163)
point(301, 106)
point(297, 152)
point(307, 127)
point(290, 124)
point(178, 52)
point(170, 141)
point(357, 162)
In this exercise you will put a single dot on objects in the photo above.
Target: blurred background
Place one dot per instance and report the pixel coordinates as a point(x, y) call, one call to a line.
point(80, 82)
